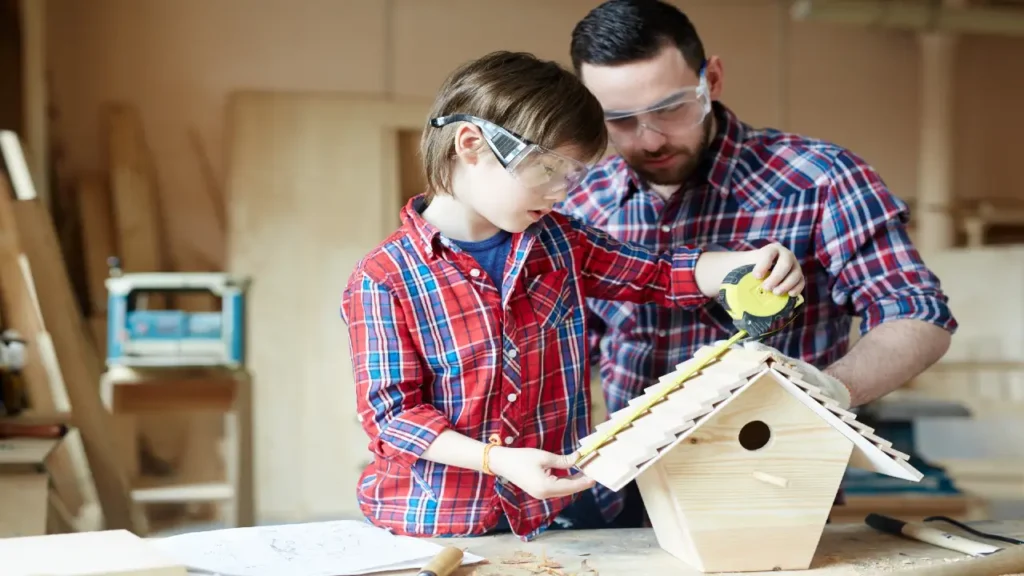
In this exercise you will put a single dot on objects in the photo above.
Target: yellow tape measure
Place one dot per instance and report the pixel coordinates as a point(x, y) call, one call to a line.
point(753, 309)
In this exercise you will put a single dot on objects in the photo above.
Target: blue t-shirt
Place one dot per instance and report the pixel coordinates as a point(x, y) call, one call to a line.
point(491, 254)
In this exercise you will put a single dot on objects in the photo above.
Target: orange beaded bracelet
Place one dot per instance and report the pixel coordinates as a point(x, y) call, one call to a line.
point(494, 441)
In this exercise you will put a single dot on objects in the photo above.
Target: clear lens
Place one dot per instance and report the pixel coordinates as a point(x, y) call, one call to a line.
point(545, 171)
point(682, 112)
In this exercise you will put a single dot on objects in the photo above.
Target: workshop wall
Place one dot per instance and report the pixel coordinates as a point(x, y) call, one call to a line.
point(178, 61)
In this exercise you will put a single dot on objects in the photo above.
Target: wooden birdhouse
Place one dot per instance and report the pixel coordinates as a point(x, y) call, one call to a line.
point(739, 467)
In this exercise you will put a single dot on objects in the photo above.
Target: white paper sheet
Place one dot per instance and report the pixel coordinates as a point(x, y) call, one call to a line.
point(337, 548)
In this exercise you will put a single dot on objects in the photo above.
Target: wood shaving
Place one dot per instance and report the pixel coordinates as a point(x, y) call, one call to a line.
point(544, 565)
point(546, 562)
point(586, 570)
point(519, 557)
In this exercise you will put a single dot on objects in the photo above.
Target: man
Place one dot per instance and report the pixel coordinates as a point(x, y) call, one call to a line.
point(687, 170)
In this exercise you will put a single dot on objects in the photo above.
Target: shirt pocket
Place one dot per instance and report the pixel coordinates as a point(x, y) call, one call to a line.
point(550, 296)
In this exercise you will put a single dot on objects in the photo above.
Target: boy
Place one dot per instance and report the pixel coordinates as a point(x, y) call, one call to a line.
point(467, 326)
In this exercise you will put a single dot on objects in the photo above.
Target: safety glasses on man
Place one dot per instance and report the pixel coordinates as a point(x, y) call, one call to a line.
point(534, 166)
point(673, 114)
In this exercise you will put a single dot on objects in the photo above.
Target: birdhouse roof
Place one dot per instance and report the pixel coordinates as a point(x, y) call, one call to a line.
point(683, 411)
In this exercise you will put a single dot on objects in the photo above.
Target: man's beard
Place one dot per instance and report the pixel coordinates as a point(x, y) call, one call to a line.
point(675, 175)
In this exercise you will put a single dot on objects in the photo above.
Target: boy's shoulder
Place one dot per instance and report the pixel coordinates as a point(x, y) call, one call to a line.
point(383, 264)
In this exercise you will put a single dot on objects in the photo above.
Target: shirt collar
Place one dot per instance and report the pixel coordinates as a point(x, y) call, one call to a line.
point(430, 239)
point(715, 167)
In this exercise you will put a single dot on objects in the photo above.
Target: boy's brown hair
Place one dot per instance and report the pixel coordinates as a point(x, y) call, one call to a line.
point(537, 99)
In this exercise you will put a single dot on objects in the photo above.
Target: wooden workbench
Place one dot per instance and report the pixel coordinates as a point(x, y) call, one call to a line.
point(844, 550)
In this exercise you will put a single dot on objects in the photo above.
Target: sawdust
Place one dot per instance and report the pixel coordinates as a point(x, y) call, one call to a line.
point(522, 563)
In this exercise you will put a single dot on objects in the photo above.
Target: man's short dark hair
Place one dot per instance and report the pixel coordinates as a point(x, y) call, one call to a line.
point(621, 31)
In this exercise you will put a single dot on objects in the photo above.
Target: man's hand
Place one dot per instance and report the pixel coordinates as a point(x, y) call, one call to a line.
point(530, 470)
point(829, 385)
point(774, 263)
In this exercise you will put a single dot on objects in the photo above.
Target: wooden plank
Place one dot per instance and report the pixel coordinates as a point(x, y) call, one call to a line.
point(99, 243)
point(27, 229)
point(313, 183)
point(19, 306)
point(133, 190)
point(36, 98)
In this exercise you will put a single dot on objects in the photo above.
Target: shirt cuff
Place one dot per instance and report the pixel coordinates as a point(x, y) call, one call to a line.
point(684, 290)
point(404, 439)
point(931, 309)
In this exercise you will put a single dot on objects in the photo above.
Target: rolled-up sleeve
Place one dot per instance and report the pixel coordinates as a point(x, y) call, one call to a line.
point(874, 268)
point(388, 374)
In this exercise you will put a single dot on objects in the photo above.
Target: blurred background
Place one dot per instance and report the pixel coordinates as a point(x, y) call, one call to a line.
point(275, 140)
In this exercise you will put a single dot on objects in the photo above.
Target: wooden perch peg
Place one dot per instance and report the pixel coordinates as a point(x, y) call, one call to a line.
point(771, 479)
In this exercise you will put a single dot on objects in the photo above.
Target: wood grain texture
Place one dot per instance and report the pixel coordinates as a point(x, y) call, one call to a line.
point(313, 184)
point(844, 550)
point(714, 504)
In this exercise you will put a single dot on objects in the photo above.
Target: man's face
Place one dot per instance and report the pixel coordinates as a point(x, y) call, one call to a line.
point(661, 151)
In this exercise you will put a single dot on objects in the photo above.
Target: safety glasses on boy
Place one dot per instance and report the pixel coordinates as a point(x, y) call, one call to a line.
point(676, 113)
point(534, 166)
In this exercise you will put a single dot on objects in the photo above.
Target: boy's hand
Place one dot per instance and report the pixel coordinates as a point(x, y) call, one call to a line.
point(786, 274)
point(775, 264)
point(530, 470)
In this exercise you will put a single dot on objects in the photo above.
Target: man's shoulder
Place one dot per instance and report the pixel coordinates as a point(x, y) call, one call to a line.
point(799, 159)
point(600, 192)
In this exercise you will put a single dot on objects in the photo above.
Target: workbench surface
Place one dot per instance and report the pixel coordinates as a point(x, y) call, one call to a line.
point(844, 550)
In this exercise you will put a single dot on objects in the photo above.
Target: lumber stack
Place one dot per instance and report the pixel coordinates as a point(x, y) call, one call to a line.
point(115, 213)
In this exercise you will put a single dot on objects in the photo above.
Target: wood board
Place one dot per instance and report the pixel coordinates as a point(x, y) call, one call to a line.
point(313, 183)
point(844, 550)
point(28, 230)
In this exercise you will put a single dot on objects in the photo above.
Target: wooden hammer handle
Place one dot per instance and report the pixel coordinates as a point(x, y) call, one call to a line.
point(444, 563)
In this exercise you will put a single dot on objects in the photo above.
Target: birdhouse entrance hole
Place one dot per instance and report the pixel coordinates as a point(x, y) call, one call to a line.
point(755, 435)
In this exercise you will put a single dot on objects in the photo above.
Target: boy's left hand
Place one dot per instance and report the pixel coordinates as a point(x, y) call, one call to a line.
point(774, 264)
point(785, 276)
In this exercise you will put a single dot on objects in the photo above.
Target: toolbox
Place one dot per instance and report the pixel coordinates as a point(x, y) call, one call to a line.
point(137, 337)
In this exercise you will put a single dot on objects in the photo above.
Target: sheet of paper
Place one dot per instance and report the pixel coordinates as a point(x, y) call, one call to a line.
point(337, 548)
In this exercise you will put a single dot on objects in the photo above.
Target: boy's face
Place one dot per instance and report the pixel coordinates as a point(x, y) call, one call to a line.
point(509, 202)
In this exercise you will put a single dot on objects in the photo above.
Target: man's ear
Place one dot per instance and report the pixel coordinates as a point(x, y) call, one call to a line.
point(469, 142)
point(715, 76)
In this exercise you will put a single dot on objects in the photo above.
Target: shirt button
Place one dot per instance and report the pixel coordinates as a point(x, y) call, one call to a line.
point(512, 397)
point(430, 249)
point(474, 273)
point(662, 332)
point(512, 353)
point(508, 440)
point(666, 228)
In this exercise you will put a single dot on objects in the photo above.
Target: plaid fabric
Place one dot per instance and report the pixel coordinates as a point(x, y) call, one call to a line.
point(821, 201)
point(434, 346)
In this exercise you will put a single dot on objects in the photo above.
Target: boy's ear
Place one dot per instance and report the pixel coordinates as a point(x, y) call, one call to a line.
point(469, 142)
